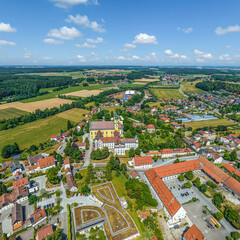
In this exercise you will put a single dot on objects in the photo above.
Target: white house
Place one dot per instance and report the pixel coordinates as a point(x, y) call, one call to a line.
point(145, 162)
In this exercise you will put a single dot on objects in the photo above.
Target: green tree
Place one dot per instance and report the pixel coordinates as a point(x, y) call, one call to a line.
point(219, 215)
point(131, 153)
point(188, 184)
point(226, 156)
point(52, 176)
point(155, 158)
point(181, 177)
point(137, 151)
point(235, 235)
point(32, 199)
point(10, 150)
point(203, 188)
point(197, 182)
point(233, 155)
point(189, 175)
point(69, 125)
point(85, 190)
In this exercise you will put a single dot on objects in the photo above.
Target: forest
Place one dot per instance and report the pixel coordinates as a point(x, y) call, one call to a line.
point(227, 78)
point(26, 86)
point(218, 85)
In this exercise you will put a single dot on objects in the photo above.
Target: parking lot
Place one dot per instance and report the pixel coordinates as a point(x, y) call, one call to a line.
point(178, 189)
point(195, 213)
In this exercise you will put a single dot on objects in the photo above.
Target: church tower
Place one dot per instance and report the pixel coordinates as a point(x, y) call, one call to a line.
point(116, 121)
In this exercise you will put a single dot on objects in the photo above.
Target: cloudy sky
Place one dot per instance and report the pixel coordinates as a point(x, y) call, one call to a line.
point(125, 32)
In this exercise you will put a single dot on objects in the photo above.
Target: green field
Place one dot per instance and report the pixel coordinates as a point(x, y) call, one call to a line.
point(167, 93)
point(208, 123)
point(40, 130)
point(11, 113)
point(190, 87)
point(66, 90)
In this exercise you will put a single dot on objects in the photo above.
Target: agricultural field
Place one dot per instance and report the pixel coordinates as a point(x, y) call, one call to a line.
point(32, 133)
point(39, 131)
point(32, 106)
point(8, 113)
point(71, 74)
point(74, 115)
point(167, 93)
point(85, 93)
point(146, 80)
point(190, 87)
point(140, 83)
point(65, 91)
point(213, 123)
point(89, 104)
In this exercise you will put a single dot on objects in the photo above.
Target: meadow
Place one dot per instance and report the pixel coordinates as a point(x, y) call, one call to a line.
point(167, 93)
point(40, 131)
point(190, 87)
point(11, 113)
point(213, 123)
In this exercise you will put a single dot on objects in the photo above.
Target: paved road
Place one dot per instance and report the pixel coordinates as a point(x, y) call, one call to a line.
point(60, 150)
point(180, 90)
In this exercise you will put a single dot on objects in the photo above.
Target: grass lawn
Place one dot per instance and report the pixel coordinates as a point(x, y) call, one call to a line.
point(11, 113)
point(213, 123)
point(166, 93)
point(74, 115)
point(190, 87)
point(66, 90)
point(155, 104)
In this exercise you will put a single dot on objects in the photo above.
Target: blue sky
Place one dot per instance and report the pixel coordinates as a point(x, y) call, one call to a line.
point(126, 32)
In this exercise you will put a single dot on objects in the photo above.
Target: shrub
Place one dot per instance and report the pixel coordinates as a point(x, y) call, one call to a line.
point(181, 177)
point(219, 215)
point(188, 184)
point(189, 175)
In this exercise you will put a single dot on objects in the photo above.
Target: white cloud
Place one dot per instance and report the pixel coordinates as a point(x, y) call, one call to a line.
point(84, 21)
point(81, 58)
point(221, 31)
point(64, 33)
point(95, 2)
point(185, 30)
point(143, 38)
point(225, 57)
point(228, 46)
point(200, 54)
point(52, 41)
point(4, 42)
point(97, 40)
point(47, 58)
point(68, 3)
point(121, 58)
point(135, 57)
point(129, 45)
point(171, 54)
point(85, 45)
point(6, 27)
point(93, 54)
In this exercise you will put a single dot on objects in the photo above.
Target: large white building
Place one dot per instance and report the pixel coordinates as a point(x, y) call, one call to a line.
point(115, 144)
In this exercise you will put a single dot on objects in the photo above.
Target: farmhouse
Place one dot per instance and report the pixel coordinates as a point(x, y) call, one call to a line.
point(143, 162)
point(106, 128)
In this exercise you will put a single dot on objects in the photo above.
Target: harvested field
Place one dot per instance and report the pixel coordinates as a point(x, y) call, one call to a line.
point(190, 87)
point(11, 113)
point(32, 106)
point(85, 93)
point(109, 88)
point(75, 114)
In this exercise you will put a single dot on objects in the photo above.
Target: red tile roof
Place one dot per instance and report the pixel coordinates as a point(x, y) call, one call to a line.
point(139, 161)
point(46, 231)
point(103, 125)
point(231, 169)
point(163, 192)
point(150, 126)
point(20, 183)
point(46, 162)
point(193, 233)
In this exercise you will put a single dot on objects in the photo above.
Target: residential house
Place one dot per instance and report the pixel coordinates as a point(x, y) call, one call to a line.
point(193, 233)
point(81, 146)
point(150, 128)
point(134, 174)
point(43, 165)
point(44, 232)
point(15, 167)
point(35, 159)
point(72, 186)
point(36, 218)
point(22, 182)
point(54, 138)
